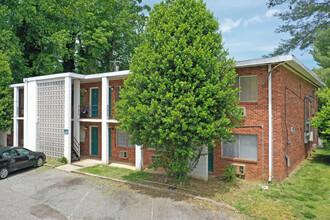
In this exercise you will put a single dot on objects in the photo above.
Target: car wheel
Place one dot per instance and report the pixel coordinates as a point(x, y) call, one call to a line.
point(39, 162)
point(4, 173)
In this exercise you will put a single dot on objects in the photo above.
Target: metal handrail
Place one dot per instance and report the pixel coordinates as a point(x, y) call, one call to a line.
point(76, 147)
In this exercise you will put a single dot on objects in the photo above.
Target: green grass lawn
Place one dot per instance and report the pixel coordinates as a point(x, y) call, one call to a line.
point(54, 163)
point(304, 195)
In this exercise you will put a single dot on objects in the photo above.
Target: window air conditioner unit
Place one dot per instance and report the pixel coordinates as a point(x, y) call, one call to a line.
point(238, 169)
point(244, 111)
point(123, 154)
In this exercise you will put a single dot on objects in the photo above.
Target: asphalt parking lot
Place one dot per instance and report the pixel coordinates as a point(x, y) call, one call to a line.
point(46, 193)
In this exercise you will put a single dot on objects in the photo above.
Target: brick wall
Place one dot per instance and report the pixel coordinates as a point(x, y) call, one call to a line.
point(288, 92)
point(257, 116)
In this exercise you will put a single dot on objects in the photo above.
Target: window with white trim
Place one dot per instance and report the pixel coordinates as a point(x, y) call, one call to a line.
point(249, 88)
point(243, 146)
point(122, 139)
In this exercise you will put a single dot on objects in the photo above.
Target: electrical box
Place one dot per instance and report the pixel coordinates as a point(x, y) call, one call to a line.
point(311, 136)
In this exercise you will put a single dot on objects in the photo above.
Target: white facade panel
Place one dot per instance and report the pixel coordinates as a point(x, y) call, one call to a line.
point(201, 170)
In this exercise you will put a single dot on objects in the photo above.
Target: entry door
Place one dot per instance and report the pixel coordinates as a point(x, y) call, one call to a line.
point(210, 159)
point(95, 141)
point(95, 102)
point(109, 142)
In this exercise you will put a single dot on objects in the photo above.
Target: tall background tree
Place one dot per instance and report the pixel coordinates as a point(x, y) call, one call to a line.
point(69, 35)
point(6, 102)
point(47, 37)
point(179, 97)
point(303, 20)
point(321, 54)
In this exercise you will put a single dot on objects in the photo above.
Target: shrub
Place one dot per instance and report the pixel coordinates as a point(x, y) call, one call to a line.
point(229, 174)
point(62, 160)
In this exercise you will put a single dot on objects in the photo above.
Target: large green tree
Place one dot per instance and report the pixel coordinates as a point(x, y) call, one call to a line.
point(180, 96)
point(303, 20)
point(6, 102)
point(321, 54)
point(322, 119)
point(69, 35)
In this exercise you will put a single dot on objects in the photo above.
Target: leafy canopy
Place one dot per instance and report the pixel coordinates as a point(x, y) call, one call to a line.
point(303, 20)
point(180, 96)
point(322, 119)
point(321, 54)
point(6, 102)
point(84, 36)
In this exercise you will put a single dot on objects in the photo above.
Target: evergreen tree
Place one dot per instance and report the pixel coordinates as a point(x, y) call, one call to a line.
point(303, 20)
point(180, 96)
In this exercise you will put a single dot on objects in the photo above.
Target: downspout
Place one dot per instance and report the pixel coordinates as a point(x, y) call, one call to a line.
point(270, 123)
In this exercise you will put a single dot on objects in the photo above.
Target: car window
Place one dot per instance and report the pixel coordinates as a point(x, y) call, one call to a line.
point(23, 152)
point(9, 154)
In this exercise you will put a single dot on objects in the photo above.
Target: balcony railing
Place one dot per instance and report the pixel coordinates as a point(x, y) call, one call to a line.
point(90, 111)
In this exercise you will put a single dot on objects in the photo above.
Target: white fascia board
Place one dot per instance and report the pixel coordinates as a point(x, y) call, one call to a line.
point(264, 61)
point(289, 59)
point(20, 85)
point(124, 73)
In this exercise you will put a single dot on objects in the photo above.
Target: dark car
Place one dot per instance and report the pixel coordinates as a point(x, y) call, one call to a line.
point(16, 158)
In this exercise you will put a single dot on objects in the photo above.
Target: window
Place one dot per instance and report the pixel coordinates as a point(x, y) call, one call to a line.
point(249, 88)
point(118, 88)
point(9, 154)
point(82, 133)
point(122, 139)
point(23, 152)
point(244, 147)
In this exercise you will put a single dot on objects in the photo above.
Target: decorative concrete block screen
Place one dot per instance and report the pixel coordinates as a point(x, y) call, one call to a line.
point(50, 110)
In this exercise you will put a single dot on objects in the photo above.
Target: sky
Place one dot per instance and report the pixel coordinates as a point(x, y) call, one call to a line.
point(248, 28)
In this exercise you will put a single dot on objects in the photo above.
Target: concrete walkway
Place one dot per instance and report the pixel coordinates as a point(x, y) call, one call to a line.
point(79, 164)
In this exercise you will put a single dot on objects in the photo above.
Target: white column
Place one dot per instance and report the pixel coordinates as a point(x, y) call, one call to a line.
point(26, 100)
point(67, 118)
point(105, 128)
point(16, 114)
point(138, 157)
point(76, 103)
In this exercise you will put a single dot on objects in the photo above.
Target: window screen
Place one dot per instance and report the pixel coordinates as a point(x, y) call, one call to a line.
point(243, 147)
point(122, 139)
point(118, 88)
point(249, 88)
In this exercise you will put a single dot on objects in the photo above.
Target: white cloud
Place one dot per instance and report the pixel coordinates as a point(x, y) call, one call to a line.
point(229, 24)
point(272, 12)
point(255, 19)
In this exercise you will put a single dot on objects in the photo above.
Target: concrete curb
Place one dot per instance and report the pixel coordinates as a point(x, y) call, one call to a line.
point(224, 205)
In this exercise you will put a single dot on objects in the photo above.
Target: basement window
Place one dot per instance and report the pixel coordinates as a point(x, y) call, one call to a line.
point(249, 88)
point(243, 146)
